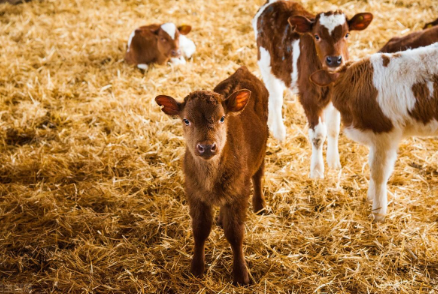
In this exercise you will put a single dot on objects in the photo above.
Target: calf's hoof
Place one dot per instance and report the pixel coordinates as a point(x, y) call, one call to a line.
point(377, 217)
point(317, 173)
point(197, 268)
point(334, 163)
point(241, 279)
point(259, 208)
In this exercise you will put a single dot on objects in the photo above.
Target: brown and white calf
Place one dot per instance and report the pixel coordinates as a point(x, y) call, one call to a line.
point(414, 40)
point(293, 43)
point(383, 99)
point(159, 44)
point(225, 133)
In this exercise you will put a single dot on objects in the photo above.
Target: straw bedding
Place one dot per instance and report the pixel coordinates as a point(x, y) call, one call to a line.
point(91, 187)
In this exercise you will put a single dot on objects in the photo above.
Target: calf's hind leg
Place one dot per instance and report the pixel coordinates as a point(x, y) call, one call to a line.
point(258, 200)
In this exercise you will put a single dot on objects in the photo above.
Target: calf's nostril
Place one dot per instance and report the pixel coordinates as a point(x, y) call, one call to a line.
point(213, 147)
point(200, 148)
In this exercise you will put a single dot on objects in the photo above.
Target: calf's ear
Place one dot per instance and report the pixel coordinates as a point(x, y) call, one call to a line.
point(237, 101)
point(323, 78)
point(184, 29)
point(170, 105)
point(300, 23)
point(360, 21)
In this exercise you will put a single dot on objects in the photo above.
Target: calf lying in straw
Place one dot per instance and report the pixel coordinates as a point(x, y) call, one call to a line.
point(226, 133)
point(425, 37)
point(383, 99)
point(159, 44)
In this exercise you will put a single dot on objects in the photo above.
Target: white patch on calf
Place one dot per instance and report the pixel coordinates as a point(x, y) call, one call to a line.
point(130, 40)
point(275, 88)
point(317, 138)
point(332, 21)
point(256, 17)
point(394, 82)
point(178, 61)
point(142, 66)
point(187, 46)
point(430, 87)
point(295, 55)
point(170, 29)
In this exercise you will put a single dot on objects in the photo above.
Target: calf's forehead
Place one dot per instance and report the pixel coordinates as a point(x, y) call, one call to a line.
point(170, 29)
point(203, 106)
point(332, 21)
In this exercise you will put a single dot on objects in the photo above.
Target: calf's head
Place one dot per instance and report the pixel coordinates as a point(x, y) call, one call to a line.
point(204, 117)
point(330, 31)
point(168, 38)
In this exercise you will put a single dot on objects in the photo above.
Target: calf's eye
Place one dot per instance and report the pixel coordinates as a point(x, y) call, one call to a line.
point(186, 121)
point(347, 35)
point(317, 37)
point(222, 119)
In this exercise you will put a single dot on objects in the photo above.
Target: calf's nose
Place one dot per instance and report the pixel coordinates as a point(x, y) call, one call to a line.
point(206, 150)
point(175, 53)
point(333, 61)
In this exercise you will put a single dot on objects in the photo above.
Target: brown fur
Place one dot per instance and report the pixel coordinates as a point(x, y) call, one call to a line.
point(277, 29)
point(224, 180)
point(151, 44)
point(355, 96)
point(426, 107)
point(413, 40)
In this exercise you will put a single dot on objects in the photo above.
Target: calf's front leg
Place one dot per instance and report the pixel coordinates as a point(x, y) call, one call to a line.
point(202, 219)
point(333, 120)
point(233, 218)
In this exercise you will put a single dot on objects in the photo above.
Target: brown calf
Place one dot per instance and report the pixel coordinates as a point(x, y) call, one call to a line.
point(383, 99)
point(422, 38)
point(226, 133)
point(159, 44)
point(293, 43)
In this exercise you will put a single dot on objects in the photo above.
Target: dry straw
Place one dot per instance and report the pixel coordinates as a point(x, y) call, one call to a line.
point(91, 195)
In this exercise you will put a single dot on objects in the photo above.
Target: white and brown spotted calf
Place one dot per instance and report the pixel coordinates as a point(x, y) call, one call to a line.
point(159, 44)
point(383, 99)
point(293, 43)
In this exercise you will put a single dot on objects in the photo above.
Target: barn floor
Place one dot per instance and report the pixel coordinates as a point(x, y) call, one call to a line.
point(91, 195)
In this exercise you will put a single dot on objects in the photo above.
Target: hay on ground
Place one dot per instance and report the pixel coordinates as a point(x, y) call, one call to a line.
point(91, 195)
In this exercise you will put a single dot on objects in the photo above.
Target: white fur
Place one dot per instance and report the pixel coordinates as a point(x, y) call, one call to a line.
point(430, 86)
point(256, 17)
point(170, 29)
point(295, 55)
point(317, 138)
point(187, 46)
point(275, 88)
point(394, 82)
point(333, 120)
point(178, 61)
point(130, 40)
point(142, 66)
point(332, 21)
